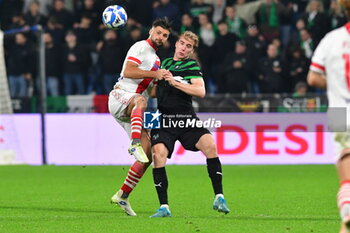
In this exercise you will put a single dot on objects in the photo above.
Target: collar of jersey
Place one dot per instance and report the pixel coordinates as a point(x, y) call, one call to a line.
point(151, 44)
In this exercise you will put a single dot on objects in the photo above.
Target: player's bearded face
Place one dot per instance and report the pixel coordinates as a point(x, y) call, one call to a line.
point(158, 36)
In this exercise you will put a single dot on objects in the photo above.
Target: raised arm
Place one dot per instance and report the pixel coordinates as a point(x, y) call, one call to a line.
point(132, 70)
point(195, 88)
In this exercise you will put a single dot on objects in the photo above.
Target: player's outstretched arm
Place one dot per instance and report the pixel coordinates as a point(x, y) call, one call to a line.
point(133, 71)
point(316, 80)
point(196, 88)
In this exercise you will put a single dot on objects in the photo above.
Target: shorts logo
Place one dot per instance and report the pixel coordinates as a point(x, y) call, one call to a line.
point(155, 136)
point(151, 120)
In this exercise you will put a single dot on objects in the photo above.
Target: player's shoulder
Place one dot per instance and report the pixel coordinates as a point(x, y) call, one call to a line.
point(139, 45)
point(336, 34)
point(190, 63)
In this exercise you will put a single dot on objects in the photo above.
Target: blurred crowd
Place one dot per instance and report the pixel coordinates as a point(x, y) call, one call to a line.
point(261, 46)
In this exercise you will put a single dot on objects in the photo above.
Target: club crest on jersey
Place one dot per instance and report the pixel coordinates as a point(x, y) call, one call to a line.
point(156, 65)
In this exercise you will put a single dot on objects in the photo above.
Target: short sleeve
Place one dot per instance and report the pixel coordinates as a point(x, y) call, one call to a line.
point(193, 71)
point(318, 60)
point(136, 53)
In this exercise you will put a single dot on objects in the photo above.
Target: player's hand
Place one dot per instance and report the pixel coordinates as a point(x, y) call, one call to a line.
point(160, 74)
point(170, 79)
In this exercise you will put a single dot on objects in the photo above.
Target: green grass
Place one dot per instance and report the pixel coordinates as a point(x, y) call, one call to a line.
point(271, 199)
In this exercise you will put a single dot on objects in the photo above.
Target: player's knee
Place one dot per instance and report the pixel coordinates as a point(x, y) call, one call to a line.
point(140, 102)
point(210, 150)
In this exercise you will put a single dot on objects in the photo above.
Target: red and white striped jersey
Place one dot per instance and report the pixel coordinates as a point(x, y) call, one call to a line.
point(144, 54)
point(332, 58)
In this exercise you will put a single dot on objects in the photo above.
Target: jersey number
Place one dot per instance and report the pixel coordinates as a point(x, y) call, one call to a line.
point(346, 58)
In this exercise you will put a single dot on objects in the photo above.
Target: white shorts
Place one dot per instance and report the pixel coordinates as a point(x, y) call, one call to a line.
point(118, 101)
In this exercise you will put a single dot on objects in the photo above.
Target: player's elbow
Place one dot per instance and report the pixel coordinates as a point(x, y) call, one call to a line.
point(315, 80)
point(311, 80)
point(201, 94)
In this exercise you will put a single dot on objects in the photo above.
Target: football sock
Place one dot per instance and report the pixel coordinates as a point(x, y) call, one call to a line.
point(136, 125)
point(344, 199)
point(161, 183)
point(135, 173)
point(215, 174)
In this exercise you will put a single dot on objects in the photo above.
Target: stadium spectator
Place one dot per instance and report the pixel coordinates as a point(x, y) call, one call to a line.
point(224, 44)
point(256, 49)
point(236, 69)
point(110, 53)
point(278, 45)
point(187, 23)
point(315, 20)
point(87, 34)
point(218, 9)
point(271, 68)
point(64, 17)
point(235, 24)
point(8, 9)
point(33, 15)
point(175, 98)
point(336, 16)
point(207, 34)
point(75, 63)
point(286, 22)
point(298, 66)
point(329, 69)
point(300, 90)
point(20, 66)
point(52, 65)
point(44, 6)
point(141, 11)
point(269, 19)
point(55, 29)
point(170, 10)
point(248, 10)
point(184, 5)
point(306, 43)
point(199, 7)
point(18, 21)
point(89, 8)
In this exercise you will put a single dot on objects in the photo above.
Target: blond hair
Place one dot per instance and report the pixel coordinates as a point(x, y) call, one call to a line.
point(190, 36)
point(319, 6)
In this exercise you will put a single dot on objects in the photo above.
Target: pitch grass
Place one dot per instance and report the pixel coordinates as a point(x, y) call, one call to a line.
point(271, 199)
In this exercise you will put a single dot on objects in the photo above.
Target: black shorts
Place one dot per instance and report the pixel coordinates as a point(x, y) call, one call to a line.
point(188, 137)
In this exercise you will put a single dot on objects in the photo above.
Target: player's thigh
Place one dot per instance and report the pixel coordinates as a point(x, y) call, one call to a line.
point(164, 137)
point(137, 100)
point(190, 137)
point(207, 146)
point(118, 102)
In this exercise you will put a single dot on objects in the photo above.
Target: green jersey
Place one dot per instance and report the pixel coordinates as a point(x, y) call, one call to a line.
point(171, 99)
